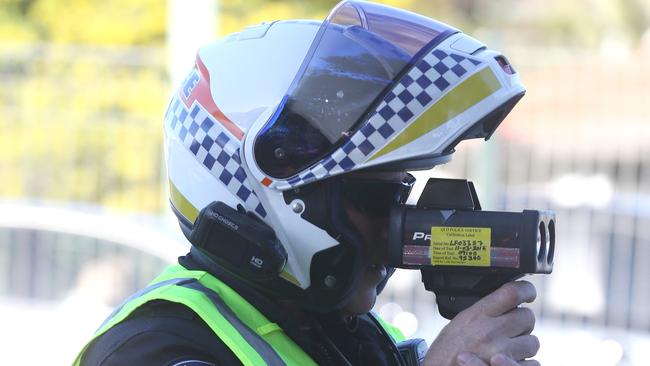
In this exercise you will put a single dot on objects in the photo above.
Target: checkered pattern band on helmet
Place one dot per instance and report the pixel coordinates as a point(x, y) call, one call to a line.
point(418, 90)
point(214, 147)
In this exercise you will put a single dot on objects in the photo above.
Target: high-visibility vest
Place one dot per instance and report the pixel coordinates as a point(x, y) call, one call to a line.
point(250, 335)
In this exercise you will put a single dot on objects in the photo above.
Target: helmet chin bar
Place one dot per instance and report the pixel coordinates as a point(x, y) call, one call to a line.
point(334, 271)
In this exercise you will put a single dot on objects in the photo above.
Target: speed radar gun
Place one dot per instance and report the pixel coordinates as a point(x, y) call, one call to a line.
point(463, 252)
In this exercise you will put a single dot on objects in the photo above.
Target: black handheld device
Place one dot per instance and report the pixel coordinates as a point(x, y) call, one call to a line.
point(463, 252)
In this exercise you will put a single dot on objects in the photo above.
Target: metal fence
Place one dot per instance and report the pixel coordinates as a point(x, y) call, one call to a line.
point(51, 267)
point(62, 271)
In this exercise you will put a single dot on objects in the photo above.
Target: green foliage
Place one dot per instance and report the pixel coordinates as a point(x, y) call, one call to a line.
point(82, 124)
point(84, 21)
point(14, 26)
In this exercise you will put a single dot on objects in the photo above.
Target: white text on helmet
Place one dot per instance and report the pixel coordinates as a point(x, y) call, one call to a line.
point(227, 222)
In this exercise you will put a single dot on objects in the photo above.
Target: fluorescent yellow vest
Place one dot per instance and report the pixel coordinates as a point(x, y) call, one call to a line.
point(250, 335)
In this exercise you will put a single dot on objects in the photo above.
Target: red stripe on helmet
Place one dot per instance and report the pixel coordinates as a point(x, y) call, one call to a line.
point(201, 93)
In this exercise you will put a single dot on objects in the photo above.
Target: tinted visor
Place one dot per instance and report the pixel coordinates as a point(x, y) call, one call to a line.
point(360, 51)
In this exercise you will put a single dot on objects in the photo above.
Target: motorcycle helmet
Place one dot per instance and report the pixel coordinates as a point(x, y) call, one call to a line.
point(275, 124)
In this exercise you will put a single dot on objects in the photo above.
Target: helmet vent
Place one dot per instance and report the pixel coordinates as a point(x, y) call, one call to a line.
point(505, 65)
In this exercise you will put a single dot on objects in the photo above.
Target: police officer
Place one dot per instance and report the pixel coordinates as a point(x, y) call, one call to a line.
point(287, 145)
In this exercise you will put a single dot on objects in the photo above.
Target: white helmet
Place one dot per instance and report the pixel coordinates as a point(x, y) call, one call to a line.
point(271, 118)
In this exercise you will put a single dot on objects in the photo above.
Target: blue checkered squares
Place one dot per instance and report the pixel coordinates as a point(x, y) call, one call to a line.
point(207, 124)
point(385, 130)
point(405, 96)
point(424, 98)
point(244, 193)
point(213, 147)
point(367, 130)
point(405, 114)
point(423, 85)
point(441, 83)
point(207, 144)
point(441, 68)
point(329, 165)
point(209, 161)
point(366, 147)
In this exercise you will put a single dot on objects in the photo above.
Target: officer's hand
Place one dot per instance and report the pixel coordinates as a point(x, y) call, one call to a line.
point(494, 325)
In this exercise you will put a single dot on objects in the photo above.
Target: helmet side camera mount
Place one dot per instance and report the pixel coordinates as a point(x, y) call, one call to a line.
point(238, 242)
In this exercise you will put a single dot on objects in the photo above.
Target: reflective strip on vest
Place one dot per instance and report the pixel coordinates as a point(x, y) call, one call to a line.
point(144, 291)
point(183, 286)
point(264, 349)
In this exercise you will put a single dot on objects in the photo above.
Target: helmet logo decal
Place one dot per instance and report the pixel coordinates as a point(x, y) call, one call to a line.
point(214, 147)
point(196, 87)
point(189, 83)
point(418, 90)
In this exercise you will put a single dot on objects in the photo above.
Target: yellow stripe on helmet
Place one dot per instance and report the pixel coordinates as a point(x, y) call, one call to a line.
point(181, 203)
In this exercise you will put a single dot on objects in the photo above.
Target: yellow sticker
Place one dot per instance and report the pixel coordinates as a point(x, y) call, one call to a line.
point(460, 246)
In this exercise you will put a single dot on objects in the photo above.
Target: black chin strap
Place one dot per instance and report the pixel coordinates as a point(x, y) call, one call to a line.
point(382, 284)
point(350, 235)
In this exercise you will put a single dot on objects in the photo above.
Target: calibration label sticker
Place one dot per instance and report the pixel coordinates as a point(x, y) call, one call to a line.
point(460, 246)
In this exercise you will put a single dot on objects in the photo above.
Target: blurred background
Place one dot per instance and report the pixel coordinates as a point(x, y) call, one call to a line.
point(84, 217)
